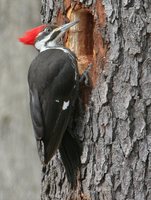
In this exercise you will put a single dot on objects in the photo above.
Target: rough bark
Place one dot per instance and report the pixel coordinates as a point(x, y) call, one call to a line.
point(116, 160)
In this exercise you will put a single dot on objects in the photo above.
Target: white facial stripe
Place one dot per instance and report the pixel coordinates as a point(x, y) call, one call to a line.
point(41, 44)
point(65, 105)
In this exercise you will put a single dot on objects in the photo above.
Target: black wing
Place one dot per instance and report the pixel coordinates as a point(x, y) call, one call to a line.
point(53, 90)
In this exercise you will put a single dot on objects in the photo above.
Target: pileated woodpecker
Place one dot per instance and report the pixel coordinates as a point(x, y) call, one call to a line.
point(53, 86)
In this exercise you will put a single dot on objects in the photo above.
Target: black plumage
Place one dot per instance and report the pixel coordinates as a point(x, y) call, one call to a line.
point(54, 83)
point(54, 87)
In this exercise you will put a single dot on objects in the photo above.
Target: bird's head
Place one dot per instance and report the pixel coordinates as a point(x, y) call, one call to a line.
point(45, 36)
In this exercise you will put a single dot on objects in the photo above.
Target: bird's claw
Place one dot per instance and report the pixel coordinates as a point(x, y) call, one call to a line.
point(84, 77)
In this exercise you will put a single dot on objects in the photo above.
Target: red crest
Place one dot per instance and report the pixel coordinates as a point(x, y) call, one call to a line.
point(30, 35)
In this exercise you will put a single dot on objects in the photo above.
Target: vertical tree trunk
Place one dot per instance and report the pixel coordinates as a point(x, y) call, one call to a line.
point(116, 160)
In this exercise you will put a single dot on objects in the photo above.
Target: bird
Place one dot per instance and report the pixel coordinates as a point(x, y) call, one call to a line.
point(53, 80)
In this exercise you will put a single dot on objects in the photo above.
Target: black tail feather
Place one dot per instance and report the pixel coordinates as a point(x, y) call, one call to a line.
point(71, 150)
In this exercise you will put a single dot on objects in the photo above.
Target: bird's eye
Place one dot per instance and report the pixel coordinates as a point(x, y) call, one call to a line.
point(47, 30)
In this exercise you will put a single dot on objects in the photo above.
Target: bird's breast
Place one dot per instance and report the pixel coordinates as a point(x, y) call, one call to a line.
point(53, 65)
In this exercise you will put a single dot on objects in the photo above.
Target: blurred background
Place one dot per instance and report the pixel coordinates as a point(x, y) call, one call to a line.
point(20, 169)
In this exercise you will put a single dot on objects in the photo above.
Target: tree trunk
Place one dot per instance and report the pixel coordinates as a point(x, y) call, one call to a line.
point(115, 130)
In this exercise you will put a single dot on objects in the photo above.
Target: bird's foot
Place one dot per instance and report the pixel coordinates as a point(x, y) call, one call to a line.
point(84, 77)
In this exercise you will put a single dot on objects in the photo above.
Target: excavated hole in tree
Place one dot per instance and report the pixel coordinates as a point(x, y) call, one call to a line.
point(80, 40)
point(80, 37)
